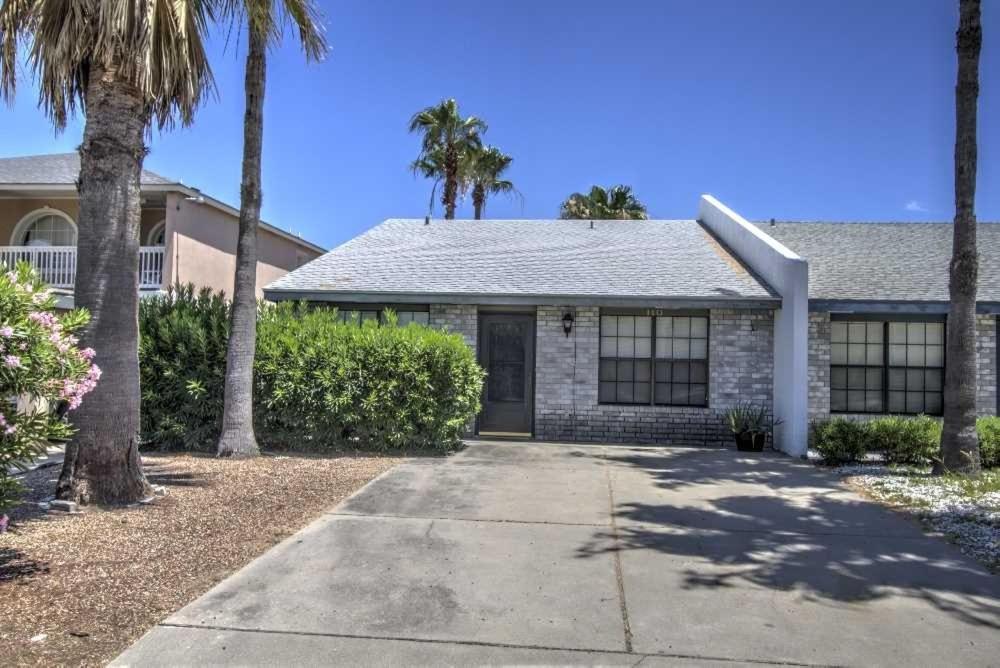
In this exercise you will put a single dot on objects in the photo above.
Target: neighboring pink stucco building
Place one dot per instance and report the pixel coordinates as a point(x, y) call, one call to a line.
point(186, 235)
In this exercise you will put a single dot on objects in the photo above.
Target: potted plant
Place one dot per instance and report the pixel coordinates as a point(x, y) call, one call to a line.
point(750, 423)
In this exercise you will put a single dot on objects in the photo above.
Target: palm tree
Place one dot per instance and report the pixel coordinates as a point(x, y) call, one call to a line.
point(959, 443)
point(125, 65)
point(265, 19)
point(614, 203)
point(447, 138)
point(482, 173)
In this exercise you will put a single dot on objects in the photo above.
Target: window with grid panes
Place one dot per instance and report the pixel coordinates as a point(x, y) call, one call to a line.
point(886, 367)
point(660, 360)
point(403, 318)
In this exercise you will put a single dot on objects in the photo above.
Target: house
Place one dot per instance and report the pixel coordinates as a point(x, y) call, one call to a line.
point(649, 331)
point(185, 235)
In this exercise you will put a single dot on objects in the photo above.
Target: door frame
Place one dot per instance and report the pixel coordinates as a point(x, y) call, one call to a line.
point(492, 313)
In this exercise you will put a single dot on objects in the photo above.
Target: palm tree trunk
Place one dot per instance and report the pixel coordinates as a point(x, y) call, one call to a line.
point(959, 444)
point(478, 200)
point(104, 465)
point(238, 439)
point(450, 195)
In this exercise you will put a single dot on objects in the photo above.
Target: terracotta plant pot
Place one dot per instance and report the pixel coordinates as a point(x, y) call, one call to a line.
point(750, 442)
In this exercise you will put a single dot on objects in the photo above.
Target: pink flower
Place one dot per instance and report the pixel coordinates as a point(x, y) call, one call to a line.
point(12, 361)
point(11, 429)
point(6, 331)
point(87, 353)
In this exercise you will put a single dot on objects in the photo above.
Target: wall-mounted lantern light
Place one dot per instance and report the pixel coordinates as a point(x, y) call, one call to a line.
point(567, 323)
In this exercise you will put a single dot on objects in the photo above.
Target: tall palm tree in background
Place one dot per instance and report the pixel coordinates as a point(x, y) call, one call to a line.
point(126, 64)
point(430, 166)
point(614, 203)
point(447, 138)
point(265, 20)
point(483, 174)
point(959, 443)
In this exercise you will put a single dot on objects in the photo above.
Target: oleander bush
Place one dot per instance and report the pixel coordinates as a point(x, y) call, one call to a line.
point(319, 383)
point(43, 374)
point(322, 383)
point(182, 353)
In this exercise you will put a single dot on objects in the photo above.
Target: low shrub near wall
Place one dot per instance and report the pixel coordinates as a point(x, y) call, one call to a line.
point(318, 383)
point(322, 383)
point(899, 440)
point(182, 366)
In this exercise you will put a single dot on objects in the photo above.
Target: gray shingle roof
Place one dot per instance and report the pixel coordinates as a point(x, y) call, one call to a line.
point(885, 261)
point(653, 258)
point(55, 169)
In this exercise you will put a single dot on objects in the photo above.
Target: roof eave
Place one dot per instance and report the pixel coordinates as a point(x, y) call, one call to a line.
point(284, 294)
point(893, 306)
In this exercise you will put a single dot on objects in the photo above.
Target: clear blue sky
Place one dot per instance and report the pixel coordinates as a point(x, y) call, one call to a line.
point(825, 110)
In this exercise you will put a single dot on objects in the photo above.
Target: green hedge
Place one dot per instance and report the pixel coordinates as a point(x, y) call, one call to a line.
point(321, 383)
point(900, 440)
point(182, 366)
point(318, 383)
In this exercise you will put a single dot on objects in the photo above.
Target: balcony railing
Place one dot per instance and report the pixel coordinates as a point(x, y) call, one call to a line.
point(56, 265)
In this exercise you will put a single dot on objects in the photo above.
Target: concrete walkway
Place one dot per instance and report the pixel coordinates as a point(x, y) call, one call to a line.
point(565, 554)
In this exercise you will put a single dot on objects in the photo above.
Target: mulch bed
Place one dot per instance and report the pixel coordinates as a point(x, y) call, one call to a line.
point(78, 590)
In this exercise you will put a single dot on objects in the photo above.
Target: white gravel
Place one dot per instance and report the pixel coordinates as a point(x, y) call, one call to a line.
point(971, 521)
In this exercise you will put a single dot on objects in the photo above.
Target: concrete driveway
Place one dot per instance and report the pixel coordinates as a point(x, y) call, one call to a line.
point(565, 554)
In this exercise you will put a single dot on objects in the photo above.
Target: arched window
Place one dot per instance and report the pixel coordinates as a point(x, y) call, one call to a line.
point(157, 235)
point(47, 227)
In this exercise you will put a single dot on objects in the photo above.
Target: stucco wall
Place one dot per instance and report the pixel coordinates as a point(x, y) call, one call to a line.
point(819, 367)
point(741, 345)
point(12, 211)
point(201, 248)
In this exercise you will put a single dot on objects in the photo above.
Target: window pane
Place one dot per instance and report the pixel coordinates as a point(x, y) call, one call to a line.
point(933, 403)
point(915, 332)
point(897, 402)
point(873, 402)
point(838, 332)
point(609, 325)
point(914, 402)
point(856, 379)
point(643, 326)
point(626, 346)
point(641, 393)
point(642, 347)
point(935, 332)
point(856, 353)
point(856, 332)
point(838, 378)
point(838, 401)
point(663, 393)
point(606, 393)
point(624, 393)
point(608, 370)
point(933, 380)
point(873, 379)
point(935, 356)
point(699, 328)
point(699, 349)
point(914, 355)
point(838, 353)
point(682, 326)
point(642, 371)
point(874, 355)
point(698, 395)
point(421, 317)
point(679, 395)
point(682, 349)
point(856, 401)
point(663, 372)
point(626, 325)
point(664, 327)
point(914, 379)
point(682, 372)
point(897, 379)
point(609, 347)
point(625, 370)
point(897, 355)
point(874, 332)
point(699, 372)
point(897, 332)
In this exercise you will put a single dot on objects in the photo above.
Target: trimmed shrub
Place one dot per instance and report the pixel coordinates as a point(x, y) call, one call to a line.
point(840, 441)
point(905, 440)
point(182, 354)
point(42, 373)
point(322, 383)
point(988, 429)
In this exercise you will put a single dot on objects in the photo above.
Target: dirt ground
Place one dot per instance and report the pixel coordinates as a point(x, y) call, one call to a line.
point(77, 590)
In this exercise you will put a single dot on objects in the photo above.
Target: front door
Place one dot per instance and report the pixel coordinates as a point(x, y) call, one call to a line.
point(507, 353)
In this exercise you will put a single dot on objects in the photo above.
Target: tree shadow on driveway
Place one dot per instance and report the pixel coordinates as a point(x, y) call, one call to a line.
point(725, 521)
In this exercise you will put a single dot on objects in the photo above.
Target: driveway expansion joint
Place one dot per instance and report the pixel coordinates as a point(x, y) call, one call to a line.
point(479, 643)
